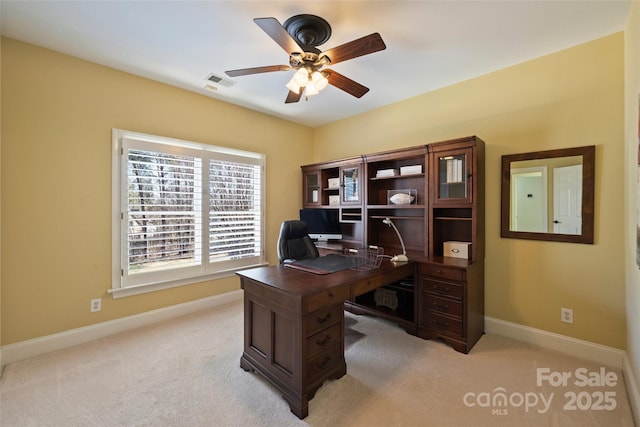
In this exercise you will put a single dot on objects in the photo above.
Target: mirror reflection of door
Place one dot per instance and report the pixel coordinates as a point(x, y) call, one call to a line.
point(567, 200)
point(570, 205)
point(529, 197)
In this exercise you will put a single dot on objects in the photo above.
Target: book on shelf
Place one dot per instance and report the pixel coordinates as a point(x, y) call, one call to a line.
point(386, 172)
point(455, 170)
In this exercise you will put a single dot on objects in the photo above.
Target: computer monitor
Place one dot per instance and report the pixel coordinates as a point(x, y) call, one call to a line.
point(322, 224)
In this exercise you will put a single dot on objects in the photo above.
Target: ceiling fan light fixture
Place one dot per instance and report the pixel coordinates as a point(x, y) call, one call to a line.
point(311, 89)
point(301, 77)
point(293, 86)
point(319, 80)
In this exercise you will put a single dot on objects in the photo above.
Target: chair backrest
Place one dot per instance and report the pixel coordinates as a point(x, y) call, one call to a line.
point(294, 242)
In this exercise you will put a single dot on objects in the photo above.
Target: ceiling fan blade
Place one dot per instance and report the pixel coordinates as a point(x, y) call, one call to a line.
point(293, 97)
point(359, 47)
point(346, 84)
point(257, 70)
point(277, 32)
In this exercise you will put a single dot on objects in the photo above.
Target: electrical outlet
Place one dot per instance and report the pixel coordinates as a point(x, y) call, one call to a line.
point(566, 315)
point(96, 305)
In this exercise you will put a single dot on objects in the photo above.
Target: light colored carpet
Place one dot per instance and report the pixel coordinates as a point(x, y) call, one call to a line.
point(186, 372)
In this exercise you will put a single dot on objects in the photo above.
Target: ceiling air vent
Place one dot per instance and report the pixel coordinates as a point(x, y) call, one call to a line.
point(213, 78)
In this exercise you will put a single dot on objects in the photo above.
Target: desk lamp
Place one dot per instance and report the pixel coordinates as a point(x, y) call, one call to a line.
point(397, 258)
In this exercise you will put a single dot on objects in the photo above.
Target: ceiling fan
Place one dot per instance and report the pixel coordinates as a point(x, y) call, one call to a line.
point(299, 36)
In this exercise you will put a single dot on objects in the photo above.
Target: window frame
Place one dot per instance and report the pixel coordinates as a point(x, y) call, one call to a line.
point(120, 286)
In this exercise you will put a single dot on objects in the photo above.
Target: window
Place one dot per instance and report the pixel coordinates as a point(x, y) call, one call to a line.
point(183, 212)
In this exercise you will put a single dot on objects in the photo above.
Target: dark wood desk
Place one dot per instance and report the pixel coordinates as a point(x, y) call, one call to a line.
point(294, 324)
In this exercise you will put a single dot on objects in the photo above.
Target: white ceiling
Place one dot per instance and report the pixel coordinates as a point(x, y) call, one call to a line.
point(430, 44)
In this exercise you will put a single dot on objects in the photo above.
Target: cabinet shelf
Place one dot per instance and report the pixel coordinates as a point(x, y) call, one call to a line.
point(404, 314)
point(405, 320)
point(396, 217)
point(401, 288)
point(351, 215)
point(382, 178)
point(452, 218)
point(395, 206)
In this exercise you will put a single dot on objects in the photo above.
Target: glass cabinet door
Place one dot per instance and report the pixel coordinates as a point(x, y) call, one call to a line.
point(453, 177)
point(350, 178)
point(312, 188)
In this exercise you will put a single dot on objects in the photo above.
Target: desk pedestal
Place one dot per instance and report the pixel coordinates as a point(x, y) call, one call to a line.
point(294, 325)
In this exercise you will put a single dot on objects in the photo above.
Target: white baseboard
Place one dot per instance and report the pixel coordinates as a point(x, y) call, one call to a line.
point(632, 387)
point(37, 346)
point(608, 356)
point(592, 352)
point(598, 353)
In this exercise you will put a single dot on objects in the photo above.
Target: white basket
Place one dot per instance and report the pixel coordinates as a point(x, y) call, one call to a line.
point(364, 259)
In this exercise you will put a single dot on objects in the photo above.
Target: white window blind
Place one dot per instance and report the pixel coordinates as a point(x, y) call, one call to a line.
point(163, 205)
point(235, 208)
point(185, 210)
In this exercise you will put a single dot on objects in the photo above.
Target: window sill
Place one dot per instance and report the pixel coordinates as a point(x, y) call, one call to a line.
point(152, 287)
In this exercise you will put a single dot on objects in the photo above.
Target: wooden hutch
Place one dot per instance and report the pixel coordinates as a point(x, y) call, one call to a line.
point(444, 182)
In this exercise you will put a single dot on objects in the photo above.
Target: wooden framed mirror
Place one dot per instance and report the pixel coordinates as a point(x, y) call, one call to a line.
point(549, 195)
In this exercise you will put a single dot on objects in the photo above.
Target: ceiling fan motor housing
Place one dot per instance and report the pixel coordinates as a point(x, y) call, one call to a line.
point(309, 31)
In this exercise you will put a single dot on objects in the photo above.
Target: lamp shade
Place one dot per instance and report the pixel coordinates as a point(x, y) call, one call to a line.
point(311, 89)
point(301, 77)
point(319, 80)
point(293, 86)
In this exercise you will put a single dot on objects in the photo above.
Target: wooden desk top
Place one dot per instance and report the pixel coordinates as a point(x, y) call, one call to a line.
point(302, 283)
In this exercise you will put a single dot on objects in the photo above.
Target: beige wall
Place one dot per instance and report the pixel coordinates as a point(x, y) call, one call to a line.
point(570, 98)
point(1, 363)
point(58, 113)
point(632, 206)
point(56, 179)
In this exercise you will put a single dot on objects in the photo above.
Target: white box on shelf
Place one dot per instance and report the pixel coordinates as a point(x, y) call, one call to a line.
point(334, 183)
point(386, 172)
point(334, 200)
point(457, 249)
point(411, 170)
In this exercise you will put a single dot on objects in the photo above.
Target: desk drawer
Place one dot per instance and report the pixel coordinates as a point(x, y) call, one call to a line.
point(386, 278)
point(442, 305)
point(444, 324)
point(323, 339)
point(442, 271)
point(322, 319)
point(329, 297)
point(367, 286)
point(324, 362)
point(447, 289)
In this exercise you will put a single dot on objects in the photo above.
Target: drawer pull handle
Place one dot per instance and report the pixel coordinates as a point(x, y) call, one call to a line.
point(440, 307)
point(324, 363)
point(326, 339)
point(439, 289)
point(324, 319)
point(441, 324)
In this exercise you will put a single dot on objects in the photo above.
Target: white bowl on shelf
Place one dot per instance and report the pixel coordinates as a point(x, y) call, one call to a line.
point(401, 199)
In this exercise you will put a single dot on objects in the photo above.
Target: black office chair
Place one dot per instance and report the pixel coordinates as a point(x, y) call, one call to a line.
point(294, 242)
